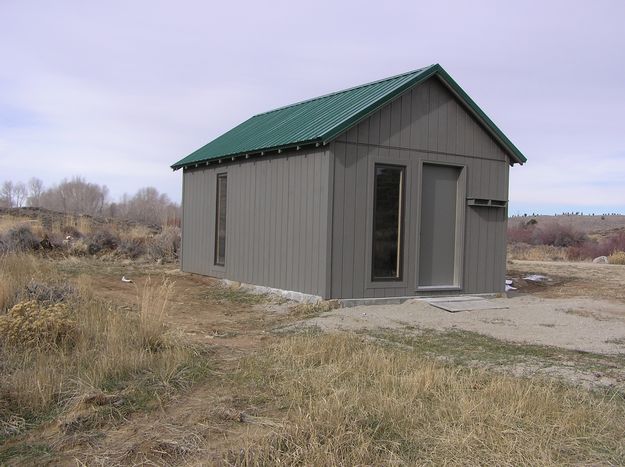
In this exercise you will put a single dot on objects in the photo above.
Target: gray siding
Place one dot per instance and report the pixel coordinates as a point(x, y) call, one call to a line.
point(425, 124)
point(303, 220)
point(277, 220)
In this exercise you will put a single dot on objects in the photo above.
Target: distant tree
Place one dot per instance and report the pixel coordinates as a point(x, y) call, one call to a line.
point(6, 194)
point(76, 196)
point(35, 190)
point(20, 193)
point(148, 205)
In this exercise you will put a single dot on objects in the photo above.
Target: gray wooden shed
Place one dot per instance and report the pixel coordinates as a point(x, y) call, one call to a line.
point(393, 188)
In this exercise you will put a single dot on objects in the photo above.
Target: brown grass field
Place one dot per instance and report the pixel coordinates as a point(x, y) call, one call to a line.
point(175, 369)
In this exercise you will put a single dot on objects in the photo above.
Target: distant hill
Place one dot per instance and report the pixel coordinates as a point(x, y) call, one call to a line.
point(594, 225)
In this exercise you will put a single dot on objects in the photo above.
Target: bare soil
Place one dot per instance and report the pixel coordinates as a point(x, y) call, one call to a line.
point(573, 279)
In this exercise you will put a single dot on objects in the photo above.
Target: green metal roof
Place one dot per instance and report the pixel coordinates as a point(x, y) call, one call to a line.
point(322, 119)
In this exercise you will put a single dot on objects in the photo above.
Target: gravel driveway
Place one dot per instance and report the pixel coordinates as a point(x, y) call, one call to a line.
point(583, 324)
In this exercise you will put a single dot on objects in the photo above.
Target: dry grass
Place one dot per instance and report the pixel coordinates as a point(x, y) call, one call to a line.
point(354, 402)
point(525, 252)
point(119, 351)
point(16, 271)
point(80, 223)
point(8, 222)
point(618, 257)
point(153, 300)
point(41, 226)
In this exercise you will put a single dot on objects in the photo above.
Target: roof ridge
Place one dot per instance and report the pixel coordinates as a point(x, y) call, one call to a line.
point(419, 70)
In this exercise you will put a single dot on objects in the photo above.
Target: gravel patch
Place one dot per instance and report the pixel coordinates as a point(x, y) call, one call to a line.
point(581, 324)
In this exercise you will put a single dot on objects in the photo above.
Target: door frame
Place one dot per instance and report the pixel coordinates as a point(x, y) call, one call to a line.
point(461, 190)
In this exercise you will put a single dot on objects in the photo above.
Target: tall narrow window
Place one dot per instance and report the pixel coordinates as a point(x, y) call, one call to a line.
point(388, 208)
point(220, 220)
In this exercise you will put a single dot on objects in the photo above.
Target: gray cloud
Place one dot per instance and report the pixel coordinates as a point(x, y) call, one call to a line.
point(116, 91)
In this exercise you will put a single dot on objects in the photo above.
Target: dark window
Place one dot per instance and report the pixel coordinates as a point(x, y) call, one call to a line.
point(220, 220)
point(388, 200)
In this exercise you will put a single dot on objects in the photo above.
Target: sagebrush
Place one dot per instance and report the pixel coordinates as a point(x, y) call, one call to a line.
point(66, 343)
point(161, 244)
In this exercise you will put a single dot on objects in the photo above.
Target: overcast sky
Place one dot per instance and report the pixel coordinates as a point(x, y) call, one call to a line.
point(116, 91)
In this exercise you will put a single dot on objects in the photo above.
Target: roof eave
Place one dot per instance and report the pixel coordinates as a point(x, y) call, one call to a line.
point(300, 144)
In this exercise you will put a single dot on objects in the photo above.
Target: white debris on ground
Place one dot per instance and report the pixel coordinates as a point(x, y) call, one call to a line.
point(509, 285)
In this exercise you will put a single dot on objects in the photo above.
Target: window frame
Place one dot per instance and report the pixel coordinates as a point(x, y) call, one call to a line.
point(218, 176)
point(400, 279)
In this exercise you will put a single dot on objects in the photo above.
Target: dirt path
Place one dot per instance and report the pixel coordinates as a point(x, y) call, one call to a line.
point(205, 421)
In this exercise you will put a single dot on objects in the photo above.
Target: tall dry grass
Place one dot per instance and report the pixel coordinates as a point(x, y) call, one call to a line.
point(525, 252)
point(354, 402)
point(16, 270)
point(153, 300)
point(128, 352)
point(617, 257)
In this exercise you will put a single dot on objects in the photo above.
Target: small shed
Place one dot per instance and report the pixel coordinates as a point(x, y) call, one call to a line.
point(389, 189)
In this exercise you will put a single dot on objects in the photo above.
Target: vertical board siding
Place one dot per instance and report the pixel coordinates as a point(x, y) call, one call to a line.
point(277, 221)
point(428, 118)
point(299, 221)
point(427, 124)
point(338, 200)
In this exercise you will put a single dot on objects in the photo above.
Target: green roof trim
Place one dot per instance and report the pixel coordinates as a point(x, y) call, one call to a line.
point(320, 120)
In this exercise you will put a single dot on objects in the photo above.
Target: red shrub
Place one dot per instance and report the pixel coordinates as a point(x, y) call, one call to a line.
point(520, 234)
point(558, 235)
point(614, 243)
point(591, 249)
point(550, 234)
point(587, 250)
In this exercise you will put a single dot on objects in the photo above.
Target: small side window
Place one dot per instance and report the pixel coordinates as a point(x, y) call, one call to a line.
point(220, 220)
